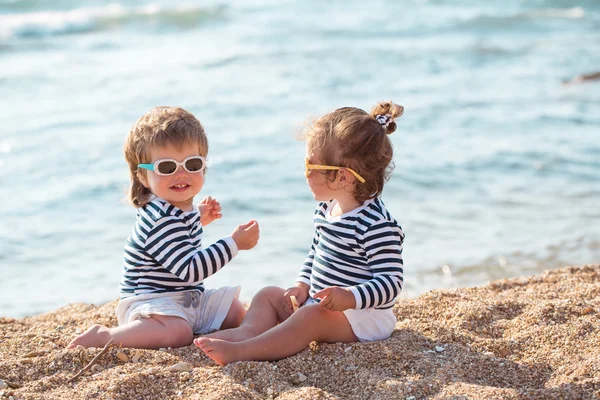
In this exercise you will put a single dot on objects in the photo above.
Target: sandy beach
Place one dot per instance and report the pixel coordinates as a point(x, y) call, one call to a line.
point(528, 338)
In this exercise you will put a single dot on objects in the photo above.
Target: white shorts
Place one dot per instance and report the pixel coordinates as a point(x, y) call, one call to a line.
point(368, 324)
point(204, 311)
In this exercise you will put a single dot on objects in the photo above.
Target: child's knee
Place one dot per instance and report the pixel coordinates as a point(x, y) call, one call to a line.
point(179, 334)
point(235, 315)
point(269, 292)
point(313, 312)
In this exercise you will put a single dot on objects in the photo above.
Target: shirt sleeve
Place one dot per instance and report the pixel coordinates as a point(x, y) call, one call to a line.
point(170, 244)
point(383, 247)
point(306, 271)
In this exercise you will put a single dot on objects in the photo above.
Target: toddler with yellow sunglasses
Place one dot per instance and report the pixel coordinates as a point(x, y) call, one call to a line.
point(163, 300)
point(354, 270)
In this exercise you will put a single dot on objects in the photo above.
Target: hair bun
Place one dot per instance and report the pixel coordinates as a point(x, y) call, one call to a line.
point(390, 110)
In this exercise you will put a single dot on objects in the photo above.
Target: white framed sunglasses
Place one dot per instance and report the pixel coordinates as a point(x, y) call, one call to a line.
point(168, 166)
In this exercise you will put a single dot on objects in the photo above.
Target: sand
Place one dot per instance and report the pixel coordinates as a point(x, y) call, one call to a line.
point(527, 338)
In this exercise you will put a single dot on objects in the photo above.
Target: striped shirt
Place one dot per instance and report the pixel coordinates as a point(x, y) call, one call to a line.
point(360, 250)
point(164, 252)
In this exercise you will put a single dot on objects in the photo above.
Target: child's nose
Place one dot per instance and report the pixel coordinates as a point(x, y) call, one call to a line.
point(180, 170)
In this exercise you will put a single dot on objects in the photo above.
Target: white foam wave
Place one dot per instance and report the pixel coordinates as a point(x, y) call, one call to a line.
point(567, 13)
point(44, 23)
point(84, 19)
point(485, 20)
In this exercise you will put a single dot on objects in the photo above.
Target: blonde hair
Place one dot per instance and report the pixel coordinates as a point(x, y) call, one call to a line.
point(351, 137)
point(159, 127)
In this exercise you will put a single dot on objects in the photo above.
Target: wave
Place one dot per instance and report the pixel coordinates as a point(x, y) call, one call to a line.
point(494, 21)
point(564, 13)
point(89, 19)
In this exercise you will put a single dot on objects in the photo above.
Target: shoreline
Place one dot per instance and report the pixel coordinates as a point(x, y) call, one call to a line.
point(512, 339)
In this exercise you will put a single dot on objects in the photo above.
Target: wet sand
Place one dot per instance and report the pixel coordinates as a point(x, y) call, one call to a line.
point(527, 338)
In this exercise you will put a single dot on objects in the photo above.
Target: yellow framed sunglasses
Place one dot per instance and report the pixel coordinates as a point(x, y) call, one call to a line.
point(309, 167)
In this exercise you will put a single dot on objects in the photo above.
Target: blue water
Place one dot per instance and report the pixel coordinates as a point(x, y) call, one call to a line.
point(497, 162)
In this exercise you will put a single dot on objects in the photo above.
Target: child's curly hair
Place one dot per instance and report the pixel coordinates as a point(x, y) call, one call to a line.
point(352, 138)
point(159, 127)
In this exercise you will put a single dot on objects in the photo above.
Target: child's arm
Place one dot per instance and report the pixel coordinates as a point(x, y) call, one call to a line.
point(169, 243)
point(382, 243)
point(301, 288)
point(306, 271)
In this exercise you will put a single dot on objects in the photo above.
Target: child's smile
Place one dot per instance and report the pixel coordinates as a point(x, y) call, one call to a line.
point(181, 187)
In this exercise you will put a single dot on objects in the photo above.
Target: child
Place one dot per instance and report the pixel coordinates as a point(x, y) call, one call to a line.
point(163, 300)
point(354, 270)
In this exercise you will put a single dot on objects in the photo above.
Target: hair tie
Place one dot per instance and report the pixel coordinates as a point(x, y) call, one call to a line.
point(384, 120)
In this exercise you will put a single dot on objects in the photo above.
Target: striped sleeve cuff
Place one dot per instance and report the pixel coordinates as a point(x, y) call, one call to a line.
point(232, 245)
point(303, 279)
point(357, 297)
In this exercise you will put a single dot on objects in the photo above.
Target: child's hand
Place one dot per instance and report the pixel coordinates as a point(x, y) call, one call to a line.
point(246, 236)
point(210, 209)
point(300, 292)
point(336, 298)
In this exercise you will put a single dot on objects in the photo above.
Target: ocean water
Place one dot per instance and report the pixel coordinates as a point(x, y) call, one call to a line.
point(497, 162)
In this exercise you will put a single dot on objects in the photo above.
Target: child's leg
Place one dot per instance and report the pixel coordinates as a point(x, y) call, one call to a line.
point(266, 311)
point(309, 323)
point(235, 315)
point(144, 333)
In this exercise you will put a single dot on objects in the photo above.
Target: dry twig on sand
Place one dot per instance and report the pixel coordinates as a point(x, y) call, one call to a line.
point(104, 350)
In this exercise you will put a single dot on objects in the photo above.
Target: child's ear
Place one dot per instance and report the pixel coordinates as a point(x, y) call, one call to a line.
point(143, 178)
point(346, 176)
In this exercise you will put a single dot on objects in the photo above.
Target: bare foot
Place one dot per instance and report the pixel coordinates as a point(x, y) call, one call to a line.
point(95, 336)
point(233, 335)
point(220, 351)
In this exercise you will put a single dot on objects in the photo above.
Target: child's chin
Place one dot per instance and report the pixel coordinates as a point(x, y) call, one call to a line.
point(319, 198)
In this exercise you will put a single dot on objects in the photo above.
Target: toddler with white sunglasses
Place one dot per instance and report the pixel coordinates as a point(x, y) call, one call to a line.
point(163, 300)
point(354, 270)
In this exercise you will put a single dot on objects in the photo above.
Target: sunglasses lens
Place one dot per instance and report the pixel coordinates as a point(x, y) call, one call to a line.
point(194, 164)
point(167, 167)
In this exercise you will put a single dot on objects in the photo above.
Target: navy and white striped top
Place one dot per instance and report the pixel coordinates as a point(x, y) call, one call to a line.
point(164, 252)
point(360, 250)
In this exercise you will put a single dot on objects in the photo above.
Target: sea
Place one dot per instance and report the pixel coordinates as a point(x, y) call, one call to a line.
point(497, 160)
